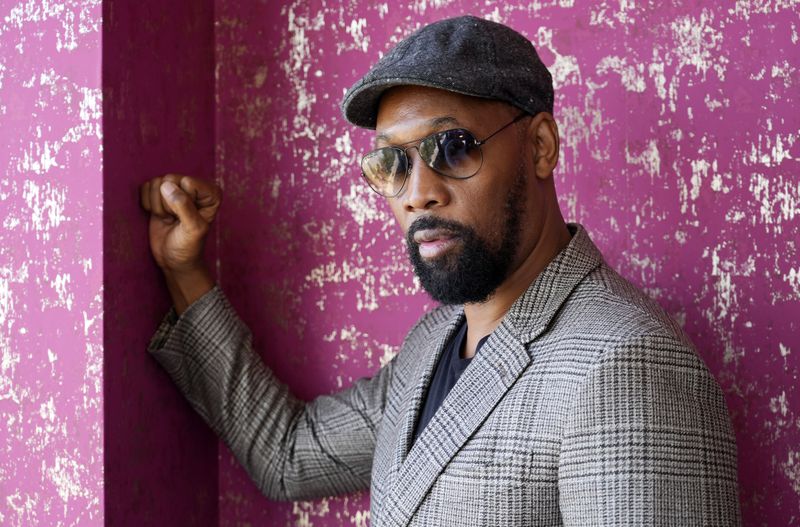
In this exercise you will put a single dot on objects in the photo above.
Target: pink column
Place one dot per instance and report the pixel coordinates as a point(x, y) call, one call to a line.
point(92, 430)
point(158, 81)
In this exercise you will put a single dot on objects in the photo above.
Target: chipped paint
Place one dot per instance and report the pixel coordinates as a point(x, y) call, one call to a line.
point(51, 400)
point(791, 469)
point(678, 154)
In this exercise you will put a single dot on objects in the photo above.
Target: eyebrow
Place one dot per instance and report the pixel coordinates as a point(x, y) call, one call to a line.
point(434, 124)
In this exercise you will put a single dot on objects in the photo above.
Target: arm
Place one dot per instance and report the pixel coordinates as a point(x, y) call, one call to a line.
point(648, 441)
point(291, 449)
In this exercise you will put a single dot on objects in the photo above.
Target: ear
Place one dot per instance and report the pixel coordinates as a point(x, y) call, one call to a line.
point(543, 138)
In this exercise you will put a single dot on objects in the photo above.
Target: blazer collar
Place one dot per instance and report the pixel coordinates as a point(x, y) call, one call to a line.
point(534, 309)
point(501, 360)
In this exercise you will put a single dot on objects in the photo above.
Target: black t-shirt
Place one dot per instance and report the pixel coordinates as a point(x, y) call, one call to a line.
point(448, 370)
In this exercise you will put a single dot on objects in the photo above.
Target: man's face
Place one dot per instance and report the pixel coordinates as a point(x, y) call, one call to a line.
point(464, 236)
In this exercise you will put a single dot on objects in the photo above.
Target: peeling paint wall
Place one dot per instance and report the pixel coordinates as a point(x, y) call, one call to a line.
point(679, 154)
point(158, 117)
point(679, 131)
point(93, 432)
point(310, 259)
point(51, 265)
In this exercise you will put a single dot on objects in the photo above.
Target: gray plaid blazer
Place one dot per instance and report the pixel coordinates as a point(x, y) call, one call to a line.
point(588, 405)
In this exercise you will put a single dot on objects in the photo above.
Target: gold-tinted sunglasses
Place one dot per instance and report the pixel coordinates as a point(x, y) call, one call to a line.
point(453, 153)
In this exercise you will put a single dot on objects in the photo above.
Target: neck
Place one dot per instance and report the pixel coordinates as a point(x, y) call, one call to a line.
point(483, 318)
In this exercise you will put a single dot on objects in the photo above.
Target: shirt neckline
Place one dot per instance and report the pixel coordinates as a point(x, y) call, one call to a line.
point(462, 334)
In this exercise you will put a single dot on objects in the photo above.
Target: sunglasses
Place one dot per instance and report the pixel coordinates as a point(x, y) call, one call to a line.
point(453, 153)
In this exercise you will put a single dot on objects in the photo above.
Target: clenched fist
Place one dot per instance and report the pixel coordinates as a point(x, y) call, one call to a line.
point(181, 209)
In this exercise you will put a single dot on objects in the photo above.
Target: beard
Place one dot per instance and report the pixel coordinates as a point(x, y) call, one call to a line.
point(472, 273)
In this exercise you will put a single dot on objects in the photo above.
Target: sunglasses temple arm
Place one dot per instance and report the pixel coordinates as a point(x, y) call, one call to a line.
point(517, 118)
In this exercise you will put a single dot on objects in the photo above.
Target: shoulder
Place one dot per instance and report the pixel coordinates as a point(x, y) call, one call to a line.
point(608, 306)
point(643, 365)
point(640, 339)
point(607, 323)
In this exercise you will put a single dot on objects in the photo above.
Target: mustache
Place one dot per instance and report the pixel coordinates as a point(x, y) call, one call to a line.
point(433, 222)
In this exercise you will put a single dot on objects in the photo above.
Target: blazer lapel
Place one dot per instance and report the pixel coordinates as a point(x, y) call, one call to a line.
point(493, 370)
point(491, 373)
point(416, 391)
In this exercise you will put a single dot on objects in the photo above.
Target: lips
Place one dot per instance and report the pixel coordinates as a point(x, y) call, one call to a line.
point(432, 235)
point(434, 242)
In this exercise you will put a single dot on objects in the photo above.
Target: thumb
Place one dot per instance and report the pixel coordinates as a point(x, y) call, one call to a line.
point(180, 202)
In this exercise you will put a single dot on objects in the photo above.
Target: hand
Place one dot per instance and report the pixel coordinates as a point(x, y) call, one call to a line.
point(181, 209)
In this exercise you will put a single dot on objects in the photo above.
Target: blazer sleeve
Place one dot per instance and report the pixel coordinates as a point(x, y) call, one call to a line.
point(648, 441)
point(291, 449)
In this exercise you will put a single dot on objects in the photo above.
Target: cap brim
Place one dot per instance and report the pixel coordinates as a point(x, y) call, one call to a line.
point(360, 105)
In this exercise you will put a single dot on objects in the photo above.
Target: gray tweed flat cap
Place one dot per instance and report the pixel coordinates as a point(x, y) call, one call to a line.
point(466, 55)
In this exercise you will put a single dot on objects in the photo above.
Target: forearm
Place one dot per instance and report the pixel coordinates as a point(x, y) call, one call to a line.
point(207, 353)
point(188, 286)
point(292, 450)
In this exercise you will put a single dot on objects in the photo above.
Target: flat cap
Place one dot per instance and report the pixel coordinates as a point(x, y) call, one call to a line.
point(467, 55)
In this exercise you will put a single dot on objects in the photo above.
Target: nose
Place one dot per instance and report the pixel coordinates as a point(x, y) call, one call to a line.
point(425, 188)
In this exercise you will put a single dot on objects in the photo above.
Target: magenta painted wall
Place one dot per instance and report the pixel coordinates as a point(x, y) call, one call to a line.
point(51, 265)
point(158, 117)
point(679, 130)
point(93, 432)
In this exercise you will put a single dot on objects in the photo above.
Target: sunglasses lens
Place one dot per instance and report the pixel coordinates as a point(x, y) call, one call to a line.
point(385, 170)
point(453, 153)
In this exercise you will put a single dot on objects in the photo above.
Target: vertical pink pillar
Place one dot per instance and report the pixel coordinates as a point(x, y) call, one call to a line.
point(93, 433)
point(158, 117)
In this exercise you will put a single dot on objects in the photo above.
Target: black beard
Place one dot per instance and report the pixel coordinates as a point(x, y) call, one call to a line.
point(471, 273)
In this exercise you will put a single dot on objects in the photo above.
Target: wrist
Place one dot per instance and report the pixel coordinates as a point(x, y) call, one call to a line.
point(188, 285)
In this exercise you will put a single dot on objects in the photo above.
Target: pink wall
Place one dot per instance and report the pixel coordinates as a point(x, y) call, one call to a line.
point(679, 128)
point(51, 265)
point(93, 432)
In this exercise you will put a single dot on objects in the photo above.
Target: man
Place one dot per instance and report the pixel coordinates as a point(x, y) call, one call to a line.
point(545, 390)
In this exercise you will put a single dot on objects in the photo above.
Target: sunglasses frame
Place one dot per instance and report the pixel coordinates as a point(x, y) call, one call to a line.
point(415, 144)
